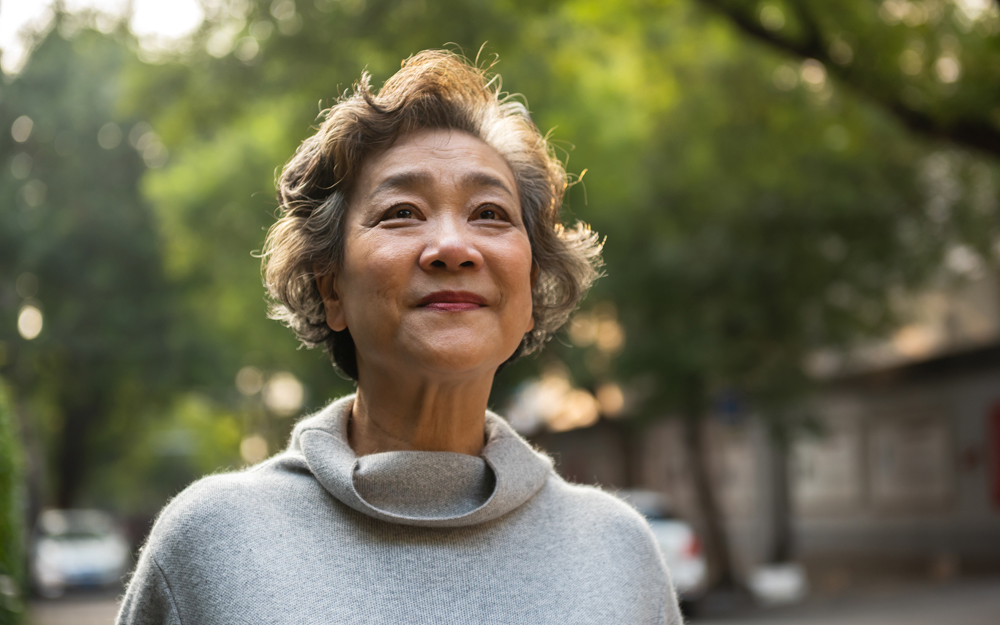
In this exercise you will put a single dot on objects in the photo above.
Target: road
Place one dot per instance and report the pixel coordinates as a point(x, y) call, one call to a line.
point(966, 602)
point(76, 609)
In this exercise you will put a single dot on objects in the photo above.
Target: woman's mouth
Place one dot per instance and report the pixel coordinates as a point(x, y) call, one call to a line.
point(452, 301)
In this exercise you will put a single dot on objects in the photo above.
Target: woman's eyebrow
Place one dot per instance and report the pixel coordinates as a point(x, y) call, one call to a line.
point(403, 180)
point(483, 179)
point(411, 179)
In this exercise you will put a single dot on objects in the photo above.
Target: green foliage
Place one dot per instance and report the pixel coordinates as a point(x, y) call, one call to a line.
point(78, 243)
point(12, 573)
point(193, 437)
point(932, 64)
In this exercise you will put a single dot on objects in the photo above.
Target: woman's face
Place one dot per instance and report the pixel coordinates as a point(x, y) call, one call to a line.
point(437, 271)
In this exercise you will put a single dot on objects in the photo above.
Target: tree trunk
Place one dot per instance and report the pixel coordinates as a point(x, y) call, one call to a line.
point(34, 465)
point(717, 549)
point(631, 455)
point(72, 459)
point(783, 547)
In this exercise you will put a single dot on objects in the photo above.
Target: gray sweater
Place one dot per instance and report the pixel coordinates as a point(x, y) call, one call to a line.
point(318, 535)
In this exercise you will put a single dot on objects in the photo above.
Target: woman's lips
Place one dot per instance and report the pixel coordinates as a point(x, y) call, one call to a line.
point(452, 306)
point(452, 301)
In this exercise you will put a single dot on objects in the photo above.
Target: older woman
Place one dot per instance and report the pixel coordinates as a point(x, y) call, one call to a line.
point(420, 243)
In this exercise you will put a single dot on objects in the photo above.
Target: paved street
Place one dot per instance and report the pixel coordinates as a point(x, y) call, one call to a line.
point(970, 602)
point(74, 610)
point(967, 602)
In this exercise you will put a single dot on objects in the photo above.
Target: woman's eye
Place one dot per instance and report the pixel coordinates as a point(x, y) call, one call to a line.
point(400, 212)
point(489, 212)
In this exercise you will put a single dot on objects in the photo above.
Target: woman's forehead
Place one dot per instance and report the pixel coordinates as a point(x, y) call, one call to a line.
point(429, 157)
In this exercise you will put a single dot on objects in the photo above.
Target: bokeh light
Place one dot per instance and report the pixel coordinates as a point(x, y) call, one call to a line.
point(253, 449)
point(284, 394)
point(29, 322)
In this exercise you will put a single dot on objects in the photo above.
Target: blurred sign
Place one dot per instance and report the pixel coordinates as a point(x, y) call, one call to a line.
point(729, 407)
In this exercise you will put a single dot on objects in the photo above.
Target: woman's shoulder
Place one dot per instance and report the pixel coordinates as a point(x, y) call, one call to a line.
point(599, 510)
point(216, 502)
point(607, 528)
point(594, 501)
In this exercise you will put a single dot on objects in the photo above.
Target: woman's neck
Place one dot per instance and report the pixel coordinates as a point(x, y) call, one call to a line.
point(393, 414)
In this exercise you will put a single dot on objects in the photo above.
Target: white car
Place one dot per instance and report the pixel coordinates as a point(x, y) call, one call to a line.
point(75, 549)
point(678, 542)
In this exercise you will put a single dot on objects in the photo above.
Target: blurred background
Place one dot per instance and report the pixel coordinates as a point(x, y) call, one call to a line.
point(794, 356)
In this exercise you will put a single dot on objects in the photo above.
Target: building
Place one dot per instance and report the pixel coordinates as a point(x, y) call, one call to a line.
point(904, 476)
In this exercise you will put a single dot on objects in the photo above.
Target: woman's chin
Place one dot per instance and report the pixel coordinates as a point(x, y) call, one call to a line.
point(458, 364)
point(459, 354)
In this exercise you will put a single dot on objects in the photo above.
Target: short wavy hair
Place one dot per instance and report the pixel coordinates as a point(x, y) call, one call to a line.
point(434, 89)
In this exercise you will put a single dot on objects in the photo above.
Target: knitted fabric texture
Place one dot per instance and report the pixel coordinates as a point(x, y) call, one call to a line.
point(318, 535)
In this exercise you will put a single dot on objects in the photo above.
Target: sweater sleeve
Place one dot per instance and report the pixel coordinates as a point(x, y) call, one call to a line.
point(670, 612)
point(148, 600)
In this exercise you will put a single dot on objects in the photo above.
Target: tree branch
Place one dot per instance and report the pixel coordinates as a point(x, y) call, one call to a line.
point(971, 133)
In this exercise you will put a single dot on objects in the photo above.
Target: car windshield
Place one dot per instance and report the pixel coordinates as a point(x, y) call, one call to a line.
point(75, 524)
point(75, 536)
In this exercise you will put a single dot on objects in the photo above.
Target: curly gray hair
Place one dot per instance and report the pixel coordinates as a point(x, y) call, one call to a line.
point(433, 89)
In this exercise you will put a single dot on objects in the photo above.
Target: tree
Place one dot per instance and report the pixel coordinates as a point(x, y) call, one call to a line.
point(933, 65)
point(758, 215)
point(80, 258)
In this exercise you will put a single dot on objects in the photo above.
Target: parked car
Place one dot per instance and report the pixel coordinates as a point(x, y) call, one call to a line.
point(77, 549)
point(678, 542)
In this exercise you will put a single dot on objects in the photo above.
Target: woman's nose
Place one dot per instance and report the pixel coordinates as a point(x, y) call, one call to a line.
point(451, 248)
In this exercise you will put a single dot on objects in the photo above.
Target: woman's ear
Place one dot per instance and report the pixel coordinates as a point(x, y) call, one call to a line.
point(534, 273)
point(326, 284)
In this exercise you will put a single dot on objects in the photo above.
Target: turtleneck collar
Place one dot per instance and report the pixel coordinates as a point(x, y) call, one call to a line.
point(422, 488)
